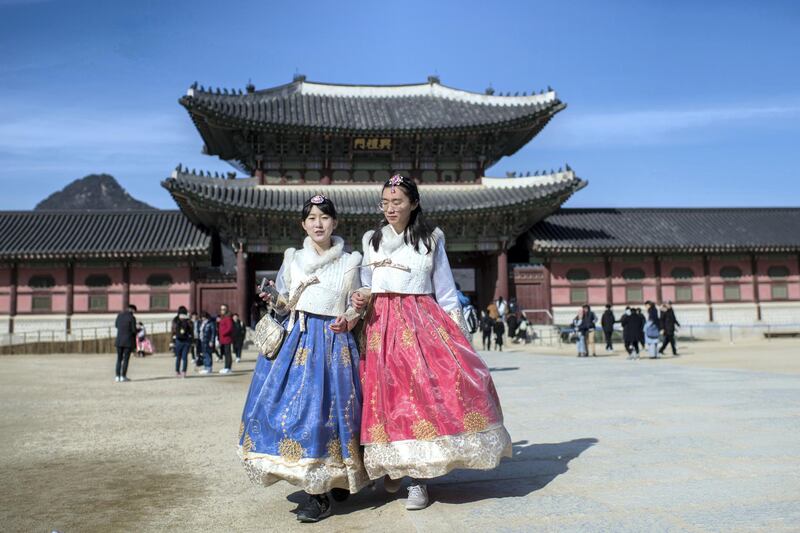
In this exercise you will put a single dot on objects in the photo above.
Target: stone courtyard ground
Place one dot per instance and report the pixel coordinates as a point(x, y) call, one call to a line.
point(709, 441)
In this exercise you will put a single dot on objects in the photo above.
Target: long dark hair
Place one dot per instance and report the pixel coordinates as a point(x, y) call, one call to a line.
point(324, 204)
point(419, 230)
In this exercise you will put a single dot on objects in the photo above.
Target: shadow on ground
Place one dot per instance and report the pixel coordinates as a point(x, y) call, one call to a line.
point(531, 468)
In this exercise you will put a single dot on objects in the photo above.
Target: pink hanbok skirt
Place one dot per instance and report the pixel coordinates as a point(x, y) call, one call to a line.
point(430, 405)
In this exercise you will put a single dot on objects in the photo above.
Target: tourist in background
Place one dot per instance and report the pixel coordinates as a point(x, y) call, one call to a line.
point(239, 333)
point(487, 326)
point(502, 308)
point(499, 328)
point(225, 336)
point(208, 336)
point(143, 344)
point(182, 333)
point(125, 342)
point(651, 329)
point(630, 333)
point(668, 325)
point(523, 330)
point(577, 325)
point(607, 322)
point(588, 328)
point(512, 323)
point(197, 343)
point(640, 323)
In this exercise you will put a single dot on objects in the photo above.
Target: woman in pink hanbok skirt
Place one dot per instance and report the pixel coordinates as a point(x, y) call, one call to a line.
point(430, 405)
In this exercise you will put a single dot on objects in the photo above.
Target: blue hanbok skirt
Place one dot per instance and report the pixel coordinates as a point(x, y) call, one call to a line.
point(302, 417)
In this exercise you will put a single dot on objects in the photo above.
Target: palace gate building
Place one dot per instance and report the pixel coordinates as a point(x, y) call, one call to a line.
point(506, 236)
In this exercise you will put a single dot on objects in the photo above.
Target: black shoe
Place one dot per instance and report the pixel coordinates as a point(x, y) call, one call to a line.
point(340, 495)
point(315, 509)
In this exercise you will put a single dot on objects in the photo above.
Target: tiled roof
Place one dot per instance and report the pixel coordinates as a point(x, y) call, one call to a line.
point(707, 230)
point(92, 234)
point(242, 194)
point(364, 108)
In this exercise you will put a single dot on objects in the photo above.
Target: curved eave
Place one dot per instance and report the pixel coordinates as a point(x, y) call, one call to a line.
point(102, 254)
point(252, 200)
point(628, 250)
point(217, 119)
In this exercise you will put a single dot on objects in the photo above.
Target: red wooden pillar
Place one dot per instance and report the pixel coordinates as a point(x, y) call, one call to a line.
point(609, 289)
point(707, 287)
point(657, 265)
point(501, 285)
point(548, 295)
point(192, 290)
point(12, 304)
point(756, 296)
point(259, 174)
point(70, 294)
point(241, 282)
point(126, 285)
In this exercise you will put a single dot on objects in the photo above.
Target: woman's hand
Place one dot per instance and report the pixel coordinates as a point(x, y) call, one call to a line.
point(358, 301)
point(339, 325)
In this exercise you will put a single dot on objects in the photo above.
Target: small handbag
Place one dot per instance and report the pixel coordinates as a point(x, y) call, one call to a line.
point(270, 333)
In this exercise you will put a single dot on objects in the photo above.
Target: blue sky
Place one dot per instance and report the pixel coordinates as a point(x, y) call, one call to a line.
point(670, 103)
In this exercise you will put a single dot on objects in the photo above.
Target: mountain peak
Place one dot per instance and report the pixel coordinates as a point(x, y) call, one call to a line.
point(95, 192)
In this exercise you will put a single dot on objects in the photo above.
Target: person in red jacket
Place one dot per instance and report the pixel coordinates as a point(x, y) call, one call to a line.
point(225, 332)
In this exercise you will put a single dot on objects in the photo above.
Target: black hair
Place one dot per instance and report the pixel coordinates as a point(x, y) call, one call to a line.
point(326, 206)
point(419, 230)
point(132, 307)
point(182, 310)
point(205, 314)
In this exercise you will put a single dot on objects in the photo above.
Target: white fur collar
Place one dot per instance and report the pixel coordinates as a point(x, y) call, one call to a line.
point(312, 261)
point(391, 240)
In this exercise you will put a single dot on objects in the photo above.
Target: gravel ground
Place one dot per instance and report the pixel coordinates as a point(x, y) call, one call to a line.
point(601, 444)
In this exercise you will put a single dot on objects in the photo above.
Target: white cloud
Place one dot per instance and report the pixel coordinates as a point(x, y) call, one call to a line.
point(643, 127)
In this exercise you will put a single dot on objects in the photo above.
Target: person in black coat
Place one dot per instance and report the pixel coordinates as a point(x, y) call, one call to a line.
point(499, 331)
point(630, 332)
point(126, 341)
point(487, 326)
point(640, 322)
point(607, 322)
point(668, 325)
point(239, 334)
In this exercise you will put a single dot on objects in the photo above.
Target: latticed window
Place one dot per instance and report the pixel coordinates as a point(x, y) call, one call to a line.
point(159, 301)
point(730, 272)
point(41, 302)
point(42, 281)
point(634, 294)
point(159, 280)
point(98, 302)
point(731, 293)
point(98, 280)
point(683, 293)
point(779, 290)
point(633, 274)
point(578, 274)
point(682, 273)
point(579, 295)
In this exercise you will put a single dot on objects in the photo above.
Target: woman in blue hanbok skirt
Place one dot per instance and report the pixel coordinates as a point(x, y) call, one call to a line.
point(302, 417)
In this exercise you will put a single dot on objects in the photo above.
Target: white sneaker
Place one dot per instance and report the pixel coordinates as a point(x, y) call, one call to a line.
point(124, 378)
point(225, 371)
point(391, 485)
point(117, 379)
point(417, 497)
point(238, 359)
point(204, 371)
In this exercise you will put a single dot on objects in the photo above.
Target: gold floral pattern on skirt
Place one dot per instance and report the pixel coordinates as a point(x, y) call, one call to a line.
point(335, 450)
point(377, 433)
point(443, 333)
point(290, 449)
point(475, 422)
point(407, 340)
point(424, 430)
point(247, 444)
point(344, 357)
point(241, 429)
point(374, 342)
point(300, 356)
